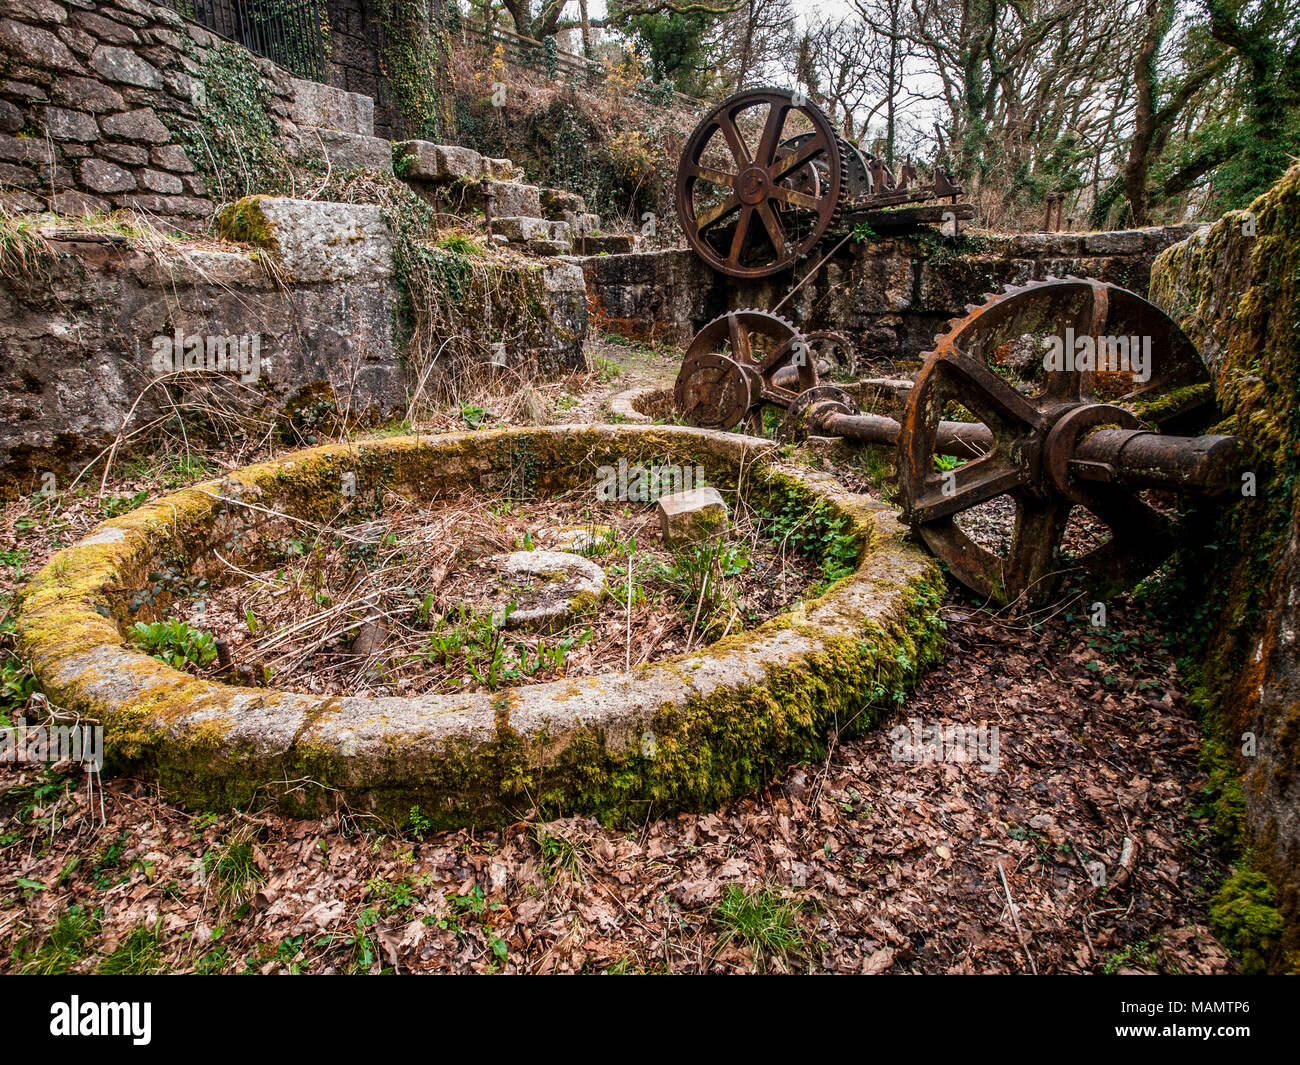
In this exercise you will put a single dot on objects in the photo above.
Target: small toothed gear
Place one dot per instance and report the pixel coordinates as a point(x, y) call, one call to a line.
point(835, 354)
point(739, 362)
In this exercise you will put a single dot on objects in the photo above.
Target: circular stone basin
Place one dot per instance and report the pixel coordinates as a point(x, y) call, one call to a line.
point(546, 588)
point(685, 732)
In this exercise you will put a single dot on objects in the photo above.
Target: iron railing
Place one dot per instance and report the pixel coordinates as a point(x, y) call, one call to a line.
point(287, 32)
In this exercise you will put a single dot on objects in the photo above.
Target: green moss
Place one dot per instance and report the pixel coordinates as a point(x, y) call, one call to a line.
point(1245, 917)
point(1162, 407)
point(245, 222)
point(1238, 296)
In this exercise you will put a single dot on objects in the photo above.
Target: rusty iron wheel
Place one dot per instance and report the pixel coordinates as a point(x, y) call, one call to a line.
point(739, 362)
point(835, 354)
point(1036, 412)
point(753, 206)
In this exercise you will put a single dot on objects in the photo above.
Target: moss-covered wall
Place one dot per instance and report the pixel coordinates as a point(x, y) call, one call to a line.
point(1235, 288)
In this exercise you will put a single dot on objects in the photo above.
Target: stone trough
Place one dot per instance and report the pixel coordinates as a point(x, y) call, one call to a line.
point(687, 732)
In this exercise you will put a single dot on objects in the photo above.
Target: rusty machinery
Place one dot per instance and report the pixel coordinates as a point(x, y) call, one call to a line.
point(990, 421)
point(764, 178)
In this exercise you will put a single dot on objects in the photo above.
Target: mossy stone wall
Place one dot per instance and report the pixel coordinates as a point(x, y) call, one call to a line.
point(1235, 289)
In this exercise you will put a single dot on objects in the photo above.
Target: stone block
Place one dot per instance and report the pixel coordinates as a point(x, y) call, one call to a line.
point(555, 202)
point(512, 199)
point(314, 104)
point(501, 170)
point(139, 125)
point(125, 66)
point(99, 175)
point(314, 240)
point(345, 151)
point(686, 517)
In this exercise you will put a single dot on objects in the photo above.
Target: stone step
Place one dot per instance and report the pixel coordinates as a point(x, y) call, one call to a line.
point(449, 163)
point(326, 107)
point(557, 204)
point(313, 240)
point(510, 199)
point(608, 244)
point(519, 229)
point(344, 151)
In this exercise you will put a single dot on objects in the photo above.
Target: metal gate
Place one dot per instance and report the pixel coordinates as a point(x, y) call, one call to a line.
point(287, 32)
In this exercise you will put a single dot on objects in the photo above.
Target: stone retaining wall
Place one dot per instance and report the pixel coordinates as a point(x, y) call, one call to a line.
point(891, 295)
point(78, 330)
point(100, 108)
point(1235, 289)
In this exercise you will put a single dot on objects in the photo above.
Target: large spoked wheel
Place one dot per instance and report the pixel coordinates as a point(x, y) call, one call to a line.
point(760, 181)
point(1036, 413)
point(737, 364)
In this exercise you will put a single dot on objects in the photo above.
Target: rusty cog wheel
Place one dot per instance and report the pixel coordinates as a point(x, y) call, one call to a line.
point(858, 180)
point(751, 202)
point(1003, 364)
point(835, 354)
point(739, 362)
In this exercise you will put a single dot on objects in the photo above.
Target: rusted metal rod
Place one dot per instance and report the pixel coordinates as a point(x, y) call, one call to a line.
point(1135, 458)
point(963, 439)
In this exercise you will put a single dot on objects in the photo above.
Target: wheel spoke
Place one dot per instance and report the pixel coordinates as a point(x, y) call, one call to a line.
point(706, 219)
point(771, 139)
point(1034, 544)
point(772, 223)
point(1001, 398)
point(796, 199)
point(794, 160)
point(741, 237)
point(738, 335)
point(966, 487)
point(712, 175)
point(739, 152)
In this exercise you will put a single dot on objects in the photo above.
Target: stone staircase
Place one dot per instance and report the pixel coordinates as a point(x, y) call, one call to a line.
point(337, 128)
point(540, 220)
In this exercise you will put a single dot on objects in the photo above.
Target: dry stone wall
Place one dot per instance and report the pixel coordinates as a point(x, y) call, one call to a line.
point(890, 294)
point(100, 107)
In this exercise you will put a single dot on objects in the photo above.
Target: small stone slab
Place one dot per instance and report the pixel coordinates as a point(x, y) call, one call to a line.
point(523, 230)
point(345, 151)
point(561, 584)
point(610, 244)
point(314, 104)
point(686, 517)
point(550, 247)
point(442, 163)
point(557, 202)
point(501, 170)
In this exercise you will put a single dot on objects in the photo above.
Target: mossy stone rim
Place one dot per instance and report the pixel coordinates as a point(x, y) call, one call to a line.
point(591, 743)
